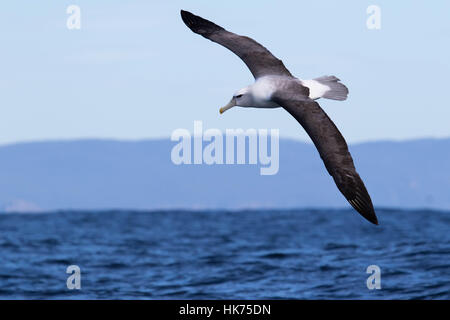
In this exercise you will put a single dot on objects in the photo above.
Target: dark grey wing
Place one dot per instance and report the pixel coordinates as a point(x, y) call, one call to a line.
point(333, 150)
point(257, 58)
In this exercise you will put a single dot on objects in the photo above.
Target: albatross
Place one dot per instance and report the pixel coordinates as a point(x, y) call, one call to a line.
point(276, 87)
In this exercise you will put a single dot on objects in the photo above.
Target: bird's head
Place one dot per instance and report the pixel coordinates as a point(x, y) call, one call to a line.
point(242, 98)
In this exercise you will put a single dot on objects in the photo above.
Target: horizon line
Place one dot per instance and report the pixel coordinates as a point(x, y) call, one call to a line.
point(167, 138)
point(216, 210)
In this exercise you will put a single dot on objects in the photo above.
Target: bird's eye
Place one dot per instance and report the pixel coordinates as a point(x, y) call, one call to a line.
point(239, 95)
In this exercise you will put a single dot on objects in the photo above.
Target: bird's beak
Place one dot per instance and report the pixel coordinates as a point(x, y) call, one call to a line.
point(230, 105)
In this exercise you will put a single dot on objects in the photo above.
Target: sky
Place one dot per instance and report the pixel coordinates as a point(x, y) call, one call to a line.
point(135, 71)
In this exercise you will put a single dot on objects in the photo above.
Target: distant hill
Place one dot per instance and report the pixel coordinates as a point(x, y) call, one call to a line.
point(97, 174)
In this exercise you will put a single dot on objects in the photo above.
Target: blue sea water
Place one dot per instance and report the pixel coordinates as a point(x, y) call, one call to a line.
point(296, 254)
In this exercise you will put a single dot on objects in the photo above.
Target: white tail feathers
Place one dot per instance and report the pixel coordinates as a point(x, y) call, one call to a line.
point(327, 87)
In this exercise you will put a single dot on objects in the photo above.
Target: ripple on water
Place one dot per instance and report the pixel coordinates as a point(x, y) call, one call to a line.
point(249, 254)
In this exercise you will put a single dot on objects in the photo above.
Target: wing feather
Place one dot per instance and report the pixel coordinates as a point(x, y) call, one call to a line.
point(333, 150)
point(257, 58)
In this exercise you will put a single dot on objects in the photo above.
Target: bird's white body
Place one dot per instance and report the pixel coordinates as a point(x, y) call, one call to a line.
point(263, 89)
point(258, 95)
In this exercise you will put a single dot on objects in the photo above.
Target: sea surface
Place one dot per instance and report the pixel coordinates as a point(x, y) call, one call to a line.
point(271, 254)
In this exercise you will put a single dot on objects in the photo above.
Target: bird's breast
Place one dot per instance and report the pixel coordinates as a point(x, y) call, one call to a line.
point(262, 91)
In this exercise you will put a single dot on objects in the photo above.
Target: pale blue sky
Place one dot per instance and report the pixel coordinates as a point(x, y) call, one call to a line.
point(135, 71)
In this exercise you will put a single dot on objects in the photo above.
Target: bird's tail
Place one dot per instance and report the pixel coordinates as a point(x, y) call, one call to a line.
point(336, 91)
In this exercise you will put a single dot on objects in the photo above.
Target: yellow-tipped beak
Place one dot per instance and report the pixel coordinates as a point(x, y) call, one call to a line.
point(230, 105)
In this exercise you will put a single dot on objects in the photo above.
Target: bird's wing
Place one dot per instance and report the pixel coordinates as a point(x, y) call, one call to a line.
point(257, 58)
point(332, 149)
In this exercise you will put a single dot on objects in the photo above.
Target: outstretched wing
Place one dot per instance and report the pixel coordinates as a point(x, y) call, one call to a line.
point(332, 149)
point(257, 58)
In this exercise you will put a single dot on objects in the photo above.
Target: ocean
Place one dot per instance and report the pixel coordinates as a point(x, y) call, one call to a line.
point(254, 254)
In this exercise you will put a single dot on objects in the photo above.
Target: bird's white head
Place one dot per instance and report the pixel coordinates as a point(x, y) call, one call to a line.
point(242, 98)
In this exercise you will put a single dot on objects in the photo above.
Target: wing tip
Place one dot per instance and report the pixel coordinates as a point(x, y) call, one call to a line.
point(198, 24)
point(373, 219)
point(363, 205)
point(187, 17)
point(185, 14)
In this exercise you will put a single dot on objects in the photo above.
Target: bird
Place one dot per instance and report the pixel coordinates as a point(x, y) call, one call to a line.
point(276, 87)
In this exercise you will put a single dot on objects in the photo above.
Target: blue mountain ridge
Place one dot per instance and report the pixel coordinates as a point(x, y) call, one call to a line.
point(108, 174)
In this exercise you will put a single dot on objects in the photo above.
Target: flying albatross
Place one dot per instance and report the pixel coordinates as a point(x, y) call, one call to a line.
point(276, 87)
